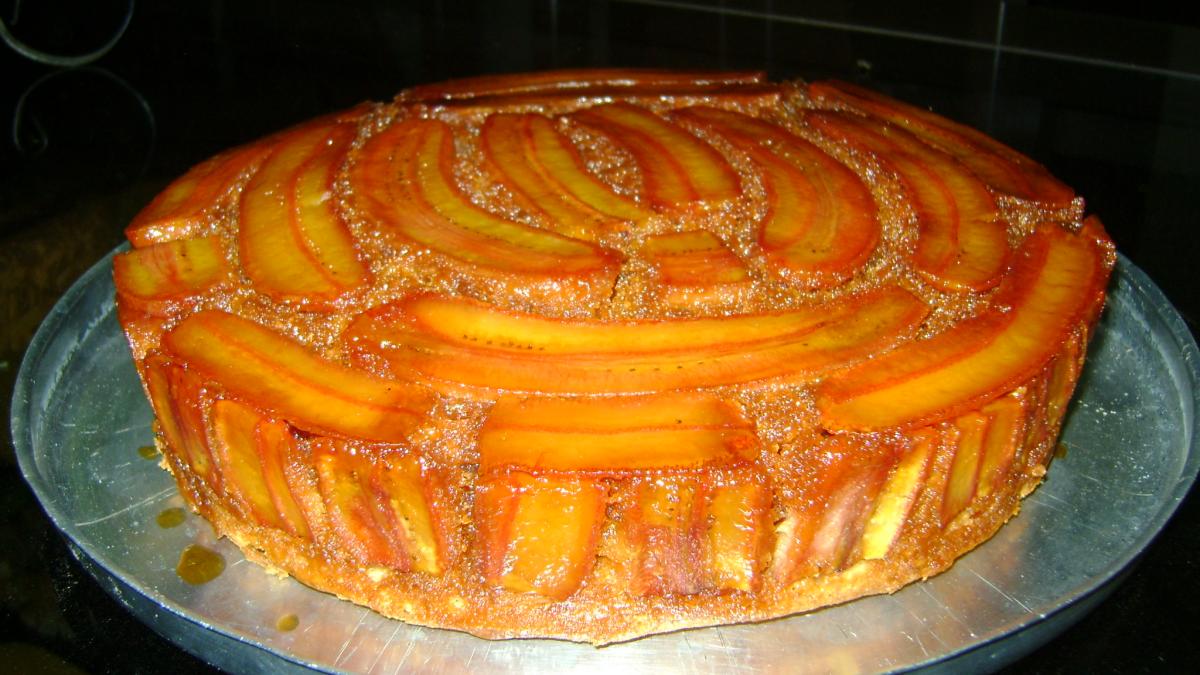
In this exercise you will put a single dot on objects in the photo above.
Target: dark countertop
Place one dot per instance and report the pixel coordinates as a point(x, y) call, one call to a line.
point(1110, 102)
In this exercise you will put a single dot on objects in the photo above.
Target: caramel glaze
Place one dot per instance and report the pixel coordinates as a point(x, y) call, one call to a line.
point(791, 443)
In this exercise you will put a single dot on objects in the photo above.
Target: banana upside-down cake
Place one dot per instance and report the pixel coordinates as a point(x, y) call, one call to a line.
point(597, 354)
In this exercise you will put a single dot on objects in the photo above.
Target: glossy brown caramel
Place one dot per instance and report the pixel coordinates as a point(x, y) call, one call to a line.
point(199, 565)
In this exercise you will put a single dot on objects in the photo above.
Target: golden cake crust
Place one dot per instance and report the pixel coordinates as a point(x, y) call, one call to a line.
point(598, 354)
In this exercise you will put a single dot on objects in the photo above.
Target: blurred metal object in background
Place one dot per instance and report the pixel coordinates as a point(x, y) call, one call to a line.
point(60, 60)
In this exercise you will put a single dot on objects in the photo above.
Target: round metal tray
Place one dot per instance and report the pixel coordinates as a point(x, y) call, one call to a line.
point(78, 417)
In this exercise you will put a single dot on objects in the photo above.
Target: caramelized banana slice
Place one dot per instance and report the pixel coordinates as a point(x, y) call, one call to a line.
point(582, 82)
point(404, 181)
point(151, 278)
point(355, 515)
point(1053, 287)
point(234, 430)
point(276, 447)
point(540, 164)
point(999, 165)
point(462, 341)
point(963, 479)
point(737, 538)
point(176, 396)
point(821, 224)
point(822, 531)
point(678, 169)
point(539, 534)
point(409, 496)
point(179, 211)
point(695, 267)
point(1064, 374)
point(962, 243)
point(690, 534)
point(614, 434)
point(293, 244)
point(666, 527)
point(898, 496)
point(1005, 432)
point(280, 374)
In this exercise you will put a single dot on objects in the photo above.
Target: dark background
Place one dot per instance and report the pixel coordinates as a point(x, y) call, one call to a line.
point(1107, 97)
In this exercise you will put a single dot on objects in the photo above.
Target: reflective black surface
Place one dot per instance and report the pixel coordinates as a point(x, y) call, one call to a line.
point(1108, 100)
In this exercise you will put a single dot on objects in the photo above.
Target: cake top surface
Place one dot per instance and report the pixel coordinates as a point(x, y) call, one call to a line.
point(611, 216)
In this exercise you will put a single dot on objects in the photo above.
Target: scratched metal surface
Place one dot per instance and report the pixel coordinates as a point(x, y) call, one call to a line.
point(79, 416)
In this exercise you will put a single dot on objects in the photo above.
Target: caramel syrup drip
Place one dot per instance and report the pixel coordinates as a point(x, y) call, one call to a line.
point(287, 622)
point(199, 565)
point(172, 517)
